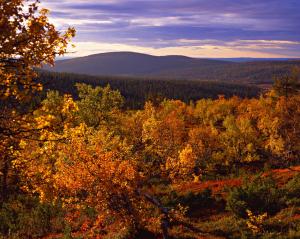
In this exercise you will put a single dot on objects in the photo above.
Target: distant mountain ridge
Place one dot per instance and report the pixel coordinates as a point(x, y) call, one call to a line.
point(173, 67)
point(250, 59)
point(128, 64)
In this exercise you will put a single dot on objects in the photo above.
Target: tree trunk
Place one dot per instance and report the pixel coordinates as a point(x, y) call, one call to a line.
point(4, 172)
point(165, 224)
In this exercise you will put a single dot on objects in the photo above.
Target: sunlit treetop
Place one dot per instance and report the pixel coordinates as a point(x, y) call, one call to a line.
point(27, 40)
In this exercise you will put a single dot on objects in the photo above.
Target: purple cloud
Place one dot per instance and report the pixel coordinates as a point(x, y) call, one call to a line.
point(160, 23)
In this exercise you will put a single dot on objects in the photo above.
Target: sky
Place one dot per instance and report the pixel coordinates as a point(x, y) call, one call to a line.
point(195, 28)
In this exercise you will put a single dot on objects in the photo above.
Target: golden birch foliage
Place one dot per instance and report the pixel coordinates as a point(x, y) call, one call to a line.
point(214, 112)
point(38, 153)
point(56, 113)
point(104, 166)
point(187, 162)
point(269, 120)
point(97, 176)
point(109, 167)
point(27, 40)
point(239, 140)
point(83, 170)
point(132, 127)
point(205, 143)
point(99, 106)
point(255, 223)
point(184, 166)
point(164, 131)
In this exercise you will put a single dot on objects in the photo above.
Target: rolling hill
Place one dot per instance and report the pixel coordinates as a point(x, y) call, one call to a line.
point(130, 64)
point(174, 67)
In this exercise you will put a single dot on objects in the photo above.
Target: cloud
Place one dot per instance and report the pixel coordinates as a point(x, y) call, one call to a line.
point(201, 49)
point(236, 27)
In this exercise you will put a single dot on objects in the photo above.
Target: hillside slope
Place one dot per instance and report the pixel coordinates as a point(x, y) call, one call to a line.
point(130, 64)
point(138, 90)
point(175, 67)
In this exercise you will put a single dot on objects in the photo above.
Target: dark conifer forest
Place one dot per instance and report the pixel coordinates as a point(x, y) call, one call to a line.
point(137, 90)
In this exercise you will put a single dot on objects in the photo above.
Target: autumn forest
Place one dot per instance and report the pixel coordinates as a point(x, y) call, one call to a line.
point(88, 164)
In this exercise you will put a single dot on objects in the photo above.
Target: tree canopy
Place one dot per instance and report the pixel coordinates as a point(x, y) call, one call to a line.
point(27, 40)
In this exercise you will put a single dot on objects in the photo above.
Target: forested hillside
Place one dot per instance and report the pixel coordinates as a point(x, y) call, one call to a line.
point(175, 67)
point(130, 64)
point(138, 90)
point(245, 72)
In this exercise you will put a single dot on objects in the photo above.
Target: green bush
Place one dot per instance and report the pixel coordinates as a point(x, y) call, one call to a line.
point(292, 192)
point(196, 200)
point(226, 227)
point(259, 195)
point(26, 217)
point(192, 200)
